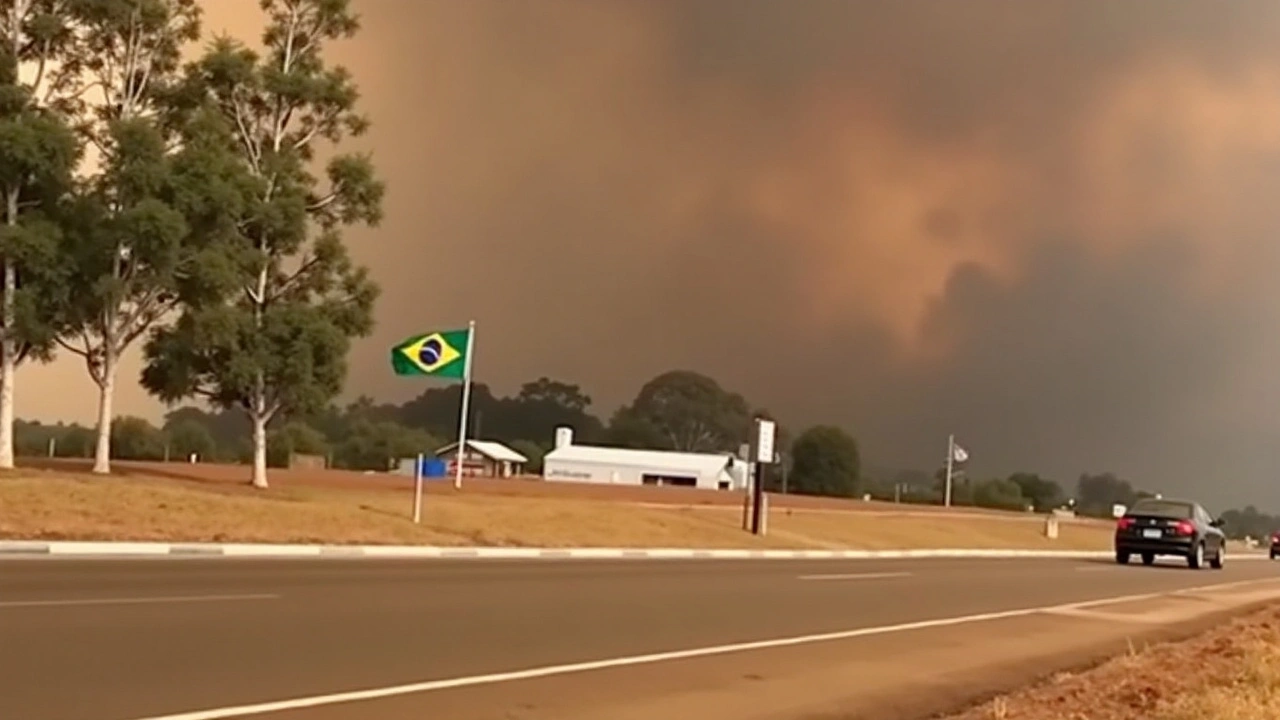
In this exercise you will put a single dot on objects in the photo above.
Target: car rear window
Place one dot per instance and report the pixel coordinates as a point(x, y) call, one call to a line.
point(1162, 508)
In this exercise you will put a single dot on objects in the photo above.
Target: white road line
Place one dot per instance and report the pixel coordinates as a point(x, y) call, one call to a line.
point(133, 600)
point(855, 576)
point(551, 670)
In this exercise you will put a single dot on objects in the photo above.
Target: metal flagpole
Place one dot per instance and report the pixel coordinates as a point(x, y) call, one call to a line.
point(466, 402)
point(951, 456)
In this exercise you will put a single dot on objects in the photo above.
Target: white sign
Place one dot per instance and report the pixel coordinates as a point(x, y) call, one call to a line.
point(765, 430)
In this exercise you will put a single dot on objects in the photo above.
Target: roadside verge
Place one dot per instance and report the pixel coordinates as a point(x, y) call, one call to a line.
point(23, 548)
point(1236, 676)
point(72, 508)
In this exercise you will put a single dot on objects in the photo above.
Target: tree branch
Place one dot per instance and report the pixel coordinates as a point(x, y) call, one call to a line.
point(145, 312)
point(247, 136)
point(78, 350)
point(308, 263)
point(325, 201)
point(307, 137)
point(271, 409)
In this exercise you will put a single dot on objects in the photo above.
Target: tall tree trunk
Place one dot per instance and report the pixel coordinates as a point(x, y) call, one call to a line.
point(8, 366)
point(106, 398)
point(8, 343)
point(259, 447)
point(259, 401)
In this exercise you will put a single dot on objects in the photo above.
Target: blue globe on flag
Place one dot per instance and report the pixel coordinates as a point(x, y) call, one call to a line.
point(429, 353)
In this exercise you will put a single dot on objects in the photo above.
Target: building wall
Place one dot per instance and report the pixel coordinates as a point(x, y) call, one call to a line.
point(575, 471)
point(478, 465)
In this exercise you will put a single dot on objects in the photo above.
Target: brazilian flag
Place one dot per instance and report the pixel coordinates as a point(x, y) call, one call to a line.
point(442, 354)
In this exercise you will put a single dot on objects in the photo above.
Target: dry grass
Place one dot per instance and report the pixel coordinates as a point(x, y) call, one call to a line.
point(881, 531)
point(62, 506)
point(1231, 673)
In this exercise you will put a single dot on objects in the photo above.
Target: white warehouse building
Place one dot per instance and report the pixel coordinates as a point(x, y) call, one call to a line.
point(624, 466)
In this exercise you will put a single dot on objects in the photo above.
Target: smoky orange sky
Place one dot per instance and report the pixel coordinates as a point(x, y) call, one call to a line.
point(1046, 226)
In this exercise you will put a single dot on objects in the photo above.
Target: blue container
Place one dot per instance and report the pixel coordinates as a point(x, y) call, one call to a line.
point(434, 468)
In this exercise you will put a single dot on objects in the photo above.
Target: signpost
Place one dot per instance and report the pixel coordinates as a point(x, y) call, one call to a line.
point(417, 490)
point(762, 452)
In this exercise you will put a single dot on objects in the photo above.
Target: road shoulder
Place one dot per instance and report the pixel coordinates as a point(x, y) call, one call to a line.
point(903, 675)
point(1236, 675)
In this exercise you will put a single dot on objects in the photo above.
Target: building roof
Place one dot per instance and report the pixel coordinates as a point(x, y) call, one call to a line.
point(489, 448)
point(701, 463)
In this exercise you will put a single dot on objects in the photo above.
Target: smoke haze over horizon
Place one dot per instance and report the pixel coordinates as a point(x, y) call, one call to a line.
point(1046, 227)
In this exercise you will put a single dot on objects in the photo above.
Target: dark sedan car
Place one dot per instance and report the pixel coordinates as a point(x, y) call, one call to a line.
point(1156, 527)
point(1275, 545)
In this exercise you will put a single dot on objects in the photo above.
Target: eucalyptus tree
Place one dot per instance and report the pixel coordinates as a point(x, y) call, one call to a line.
point(38, 156)
point(160, 202)
point(278, 342)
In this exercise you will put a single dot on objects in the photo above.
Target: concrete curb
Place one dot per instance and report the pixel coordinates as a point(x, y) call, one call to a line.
point(12, 548)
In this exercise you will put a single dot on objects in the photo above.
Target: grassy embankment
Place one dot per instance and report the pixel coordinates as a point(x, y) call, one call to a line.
point(1230, 673)
point(62, 505)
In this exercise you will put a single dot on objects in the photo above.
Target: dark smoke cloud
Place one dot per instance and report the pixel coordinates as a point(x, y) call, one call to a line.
point(1045, 226)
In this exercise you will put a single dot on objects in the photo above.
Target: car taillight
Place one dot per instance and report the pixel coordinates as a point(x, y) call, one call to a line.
point(1185, 528)
point(1126, 523)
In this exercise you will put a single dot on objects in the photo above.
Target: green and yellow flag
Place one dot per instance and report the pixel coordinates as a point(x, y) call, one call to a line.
point(442, 354)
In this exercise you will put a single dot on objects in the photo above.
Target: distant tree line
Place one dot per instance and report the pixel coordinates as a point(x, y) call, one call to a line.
point(1249, 522)
point(678, 410)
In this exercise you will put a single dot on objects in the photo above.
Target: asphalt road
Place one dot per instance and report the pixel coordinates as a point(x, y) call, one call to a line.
point(130, 639)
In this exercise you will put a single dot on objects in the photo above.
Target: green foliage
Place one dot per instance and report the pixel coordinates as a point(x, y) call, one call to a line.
point(277, 341)
point(152, 229)
point(555, 394)
point(371, 445)
point(1249, 522)
point(1044, 494)
point(1096, 494)
point(133, 438)
point(154, 219)
point(35, 439)
point(120, 57)
point(531, 450)
point(38, 156)
point(825, 461)
point(530, 414)
point(228, 429)
point(295, 437)
point(1000, 494)
point(685, 411)
point(189, 437)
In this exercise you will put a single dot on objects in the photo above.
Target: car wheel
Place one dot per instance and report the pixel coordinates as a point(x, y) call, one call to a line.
point(1122, 557)
point(1195, 560)
point(1148, 558)
point(1220, 558)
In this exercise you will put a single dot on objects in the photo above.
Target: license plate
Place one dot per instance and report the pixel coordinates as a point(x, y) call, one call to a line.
point(1152, 533)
